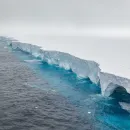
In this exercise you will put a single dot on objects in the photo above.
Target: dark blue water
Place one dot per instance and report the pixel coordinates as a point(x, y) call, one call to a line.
point(106, 113)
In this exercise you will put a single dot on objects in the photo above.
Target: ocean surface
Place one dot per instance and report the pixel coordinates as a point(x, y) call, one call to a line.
point(37, 96)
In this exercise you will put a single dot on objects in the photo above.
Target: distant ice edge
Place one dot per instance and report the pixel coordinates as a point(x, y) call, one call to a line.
point(83, 68)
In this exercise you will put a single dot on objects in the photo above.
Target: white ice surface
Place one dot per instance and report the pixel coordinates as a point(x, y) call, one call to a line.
point(83, 68)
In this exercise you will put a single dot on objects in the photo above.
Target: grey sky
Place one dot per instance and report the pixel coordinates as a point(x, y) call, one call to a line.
point(91, 29)
point(79, 12)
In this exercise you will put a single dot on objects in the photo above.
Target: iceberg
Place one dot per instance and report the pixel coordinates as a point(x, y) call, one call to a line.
point(82, 68)
point(110, 82)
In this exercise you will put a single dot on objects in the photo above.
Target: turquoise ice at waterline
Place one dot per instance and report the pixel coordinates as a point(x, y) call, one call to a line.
point(82, 93)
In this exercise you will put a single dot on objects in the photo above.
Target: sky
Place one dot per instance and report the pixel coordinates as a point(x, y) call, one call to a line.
point(96, 30)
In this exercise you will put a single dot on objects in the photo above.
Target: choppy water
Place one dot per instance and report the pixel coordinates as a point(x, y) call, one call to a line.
point(23, 107)
point(38, 96)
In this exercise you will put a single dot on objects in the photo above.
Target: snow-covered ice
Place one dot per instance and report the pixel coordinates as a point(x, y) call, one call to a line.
point(83, 68)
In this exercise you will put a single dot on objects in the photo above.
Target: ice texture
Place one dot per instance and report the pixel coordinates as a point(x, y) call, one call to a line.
point(125, 106)
point(110, 82)
point(83, 68)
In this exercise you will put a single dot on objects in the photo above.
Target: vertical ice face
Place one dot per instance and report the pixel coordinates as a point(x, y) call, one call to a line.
point(32, 49)
point(110, 82)
point(83, 68)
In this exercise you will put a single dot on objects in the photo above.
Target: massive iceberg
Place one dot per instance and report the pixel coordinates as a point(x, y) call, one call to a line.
point(83, 68)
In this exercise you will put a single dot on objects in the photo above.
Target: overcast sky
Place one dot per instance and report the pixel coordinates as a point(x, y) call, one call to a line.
point(109, 16)
point(80, 12)
point(91, 29)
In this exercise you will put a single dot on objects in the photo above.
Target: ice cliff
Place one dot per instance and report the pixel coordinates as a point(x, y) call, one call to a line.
point(83, 68)
point(110, 82)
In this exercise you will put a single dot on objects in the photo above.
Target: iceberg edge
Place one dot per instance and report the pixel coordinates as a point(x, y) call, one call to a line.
point(82, 68)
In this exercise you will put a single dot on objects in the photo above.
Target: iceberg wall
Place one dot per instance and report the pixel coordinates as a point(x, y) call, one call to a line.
point(110, 82)
point(83, 68)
